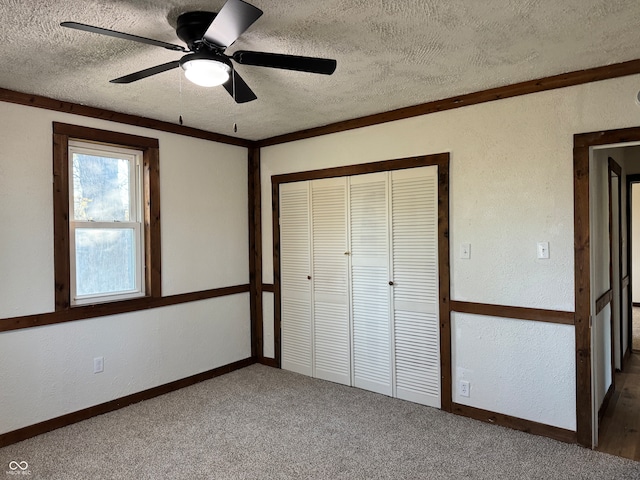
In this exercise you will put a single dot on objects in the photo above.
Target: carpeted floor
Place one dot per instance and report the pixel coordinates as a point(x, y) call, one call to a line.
point(263, 423)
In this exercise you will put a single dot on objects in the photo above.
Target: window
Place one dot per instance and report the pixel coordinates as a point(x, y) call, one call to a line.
point(106, 217)
point(105, 223)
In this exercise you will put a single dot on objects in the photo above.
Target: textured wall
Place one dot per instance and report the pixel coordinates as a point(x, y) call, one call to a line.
point(511, 186)
point(204, 215)
point(508, 361)
point(48, 371)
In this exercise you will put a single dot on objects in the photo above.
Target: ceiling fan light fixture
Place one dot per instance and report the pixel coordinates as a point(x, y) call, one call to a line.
point(206, 72)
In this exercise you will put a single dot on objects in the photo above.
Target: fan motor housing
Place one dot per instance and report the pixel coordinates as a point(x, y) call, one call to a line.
point(191, 27)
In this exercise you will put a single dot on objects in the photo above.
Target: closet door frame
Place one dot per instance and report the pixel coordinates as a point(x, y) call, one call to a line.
point(441, 160)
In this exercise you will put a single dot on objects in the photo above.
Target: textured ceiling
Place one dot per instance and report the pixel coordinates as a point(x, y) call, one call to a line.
point(390, 54)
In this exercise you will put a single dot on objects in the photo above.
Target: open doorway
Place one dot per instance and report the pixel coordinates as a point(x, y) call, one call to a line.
point(608, 375)
point(633, 213)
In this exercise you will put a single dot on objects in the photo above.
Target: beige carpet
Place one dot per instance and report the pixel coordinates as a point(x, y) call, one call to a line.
point(264, 423)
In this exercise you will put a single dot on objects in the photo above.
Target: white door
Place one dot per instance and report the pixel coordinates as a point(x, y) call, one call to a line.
point(330, 281)
point(414, 237)
point(359, 282)
point(295, 284)
point(369, 207)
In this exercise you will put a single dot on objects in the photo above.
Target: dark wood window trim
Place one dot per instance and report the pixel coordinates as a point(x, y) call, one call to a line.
point(62, 133)
point(442, 161)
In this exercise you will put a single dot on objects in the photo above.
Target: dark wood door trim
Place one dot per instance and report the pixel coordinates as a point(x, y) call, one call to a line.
point(611, 171)
point(582, 294)
point(581, 145)
point(442, 161)
point(616, 169)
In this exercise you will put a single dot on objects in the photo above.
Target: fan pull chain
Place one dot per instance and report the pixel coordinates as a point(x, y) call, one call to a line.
point(180, 117)
point(233, 89)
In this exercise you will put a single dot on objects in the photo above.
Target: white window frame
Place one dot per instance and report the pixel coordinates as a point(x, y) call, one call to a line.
point(136, 219)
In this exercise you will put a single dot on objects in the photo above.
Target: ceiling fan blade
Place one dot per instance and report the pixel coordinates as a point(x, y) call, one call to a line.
point(242, 92)
point(324, 66)
point(232, 20)
point(126, 36)
point(132, 77)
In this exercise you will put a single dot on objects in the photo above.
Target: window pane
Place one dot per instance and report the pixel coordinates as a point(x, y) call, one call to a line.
point(101, 187)
point(105, 260)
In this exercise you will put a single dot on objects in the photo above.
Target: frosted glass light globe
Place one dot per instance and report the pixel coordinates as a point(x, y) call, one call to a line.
point(206, 72)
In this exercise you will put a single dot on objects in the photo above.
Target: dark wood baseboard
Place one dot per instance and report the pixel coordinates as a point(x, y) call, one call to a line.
point(636, 304)
point(605, 402)
point(268, 287)
point(48, 425)
point(528, 426)
point(269, 362)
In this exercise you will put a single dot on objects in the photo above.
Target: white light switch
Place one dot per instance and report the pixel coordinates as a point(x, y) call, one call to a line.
point(465, 250)
point(543, 250)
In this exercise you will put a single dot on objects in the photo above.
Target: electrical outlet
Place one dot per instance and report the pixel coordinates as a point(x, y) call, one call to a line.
point(464, 388)
point(98, 365)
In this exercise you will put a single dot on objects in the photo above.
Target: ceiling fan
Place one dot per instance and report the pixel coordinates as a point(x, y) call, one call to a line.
point(208, 35)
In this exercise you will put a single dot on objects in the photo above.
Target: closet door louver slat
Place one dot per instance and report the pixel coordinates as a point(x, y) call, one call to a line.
point(359, 282)
point(295, 288)
point(415, 290)
point(370, 283)
point(332, 341)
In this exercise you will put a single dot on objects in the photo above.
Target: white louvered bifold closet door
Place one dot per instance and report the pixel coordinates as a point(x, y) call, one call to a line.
point(414, 200)
point(332, 342)
point(295, 287)
point(370, 283)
